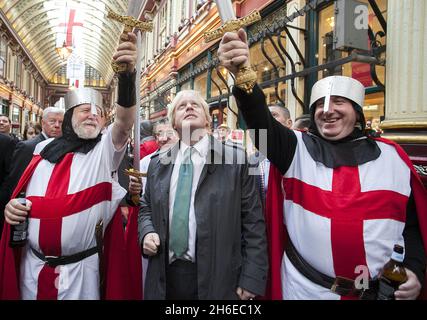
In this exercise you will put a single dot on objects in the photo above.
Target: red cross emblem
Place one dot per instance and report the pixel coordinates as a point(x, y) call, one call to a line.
point(70, 25)
point(347, 207)
point(52, 208)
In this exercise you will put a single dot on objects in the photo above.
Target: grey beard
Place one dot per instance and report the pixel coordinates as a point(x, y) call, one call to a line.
point(82, 134)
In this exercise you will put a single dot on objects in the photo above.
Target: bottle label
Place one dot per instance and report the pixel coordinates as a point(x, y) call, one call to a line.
point(19, 236)
point(385, 290)
point(20, 231)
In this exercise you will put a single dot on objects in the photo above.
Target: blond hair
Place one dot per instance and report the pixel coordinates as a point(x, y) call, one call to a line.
point(199, 99)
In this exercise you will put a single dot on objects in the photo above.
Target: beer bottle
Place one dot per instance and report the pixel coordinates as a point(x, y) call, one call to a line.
point(19, 232)
point(392, 275)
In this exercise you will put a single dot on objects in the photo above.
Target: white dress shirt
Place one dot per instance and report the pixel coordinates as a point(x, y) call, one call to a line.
point(198, 158)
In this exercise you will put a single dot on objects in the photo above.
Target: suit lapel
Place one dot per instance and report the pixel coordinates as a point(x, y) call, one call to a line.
point(41, 137)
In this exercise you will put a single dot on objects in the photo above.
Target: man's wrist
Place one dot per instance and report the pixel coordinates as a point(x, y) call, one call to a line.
point(246, 79)
point(126, 89)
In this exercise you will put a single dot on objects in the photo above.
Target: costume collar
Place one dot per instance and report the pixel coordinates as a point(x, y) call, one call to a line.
point(353, 150)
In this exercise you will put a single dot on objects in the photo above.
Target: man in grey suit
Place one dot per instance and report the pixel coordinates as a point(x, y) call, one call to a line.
point(51, 128)
point(200, 221)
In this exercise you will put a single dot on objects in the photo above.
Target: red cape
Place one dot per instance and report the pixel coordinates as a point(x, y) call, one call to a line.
point(277, 235)
point(134, 256)
point(118, 284)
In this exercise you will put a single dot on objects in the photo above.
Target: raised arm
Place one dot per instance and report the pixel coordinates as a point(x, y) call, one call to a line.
point(281, 142)
point(125, 107)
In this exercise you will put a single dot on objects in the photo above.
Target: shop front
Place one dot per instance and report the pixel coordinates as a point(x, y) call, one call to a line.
point(371, 76)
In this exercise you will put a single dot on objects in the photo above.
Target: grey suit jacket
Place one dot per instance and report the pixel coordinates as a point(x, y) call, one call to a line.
point(231, 247)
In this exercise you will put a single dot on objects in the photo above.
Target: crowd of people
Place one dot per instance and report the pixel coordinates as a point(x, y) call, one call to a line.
point(294, 220)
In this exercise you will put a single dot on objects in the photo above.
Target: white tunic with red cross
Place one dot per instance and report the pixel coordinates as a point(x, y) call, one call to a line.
point(68, 200)
point(342, 221)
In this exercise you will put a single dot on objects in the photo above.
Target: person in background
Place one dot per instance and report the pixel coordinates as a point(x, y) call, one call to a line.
point(51, 128)
point(148, 141)
point(31, 130)
point(166, 136)
point(370, 131)
point(283, 116)
point(223, 132)
point(302, 123)
point(5, 127)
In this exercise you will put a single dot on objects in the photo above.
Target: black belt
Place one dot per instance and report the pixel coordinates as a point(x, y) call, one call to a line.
point(54, 261)
point(339, 285)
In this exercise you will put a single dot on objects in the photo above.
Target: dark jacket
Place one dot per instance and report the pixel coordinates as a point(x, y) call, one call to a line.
point(21, 158)
point(231, 248)
point(255, 168)
point(7, 145)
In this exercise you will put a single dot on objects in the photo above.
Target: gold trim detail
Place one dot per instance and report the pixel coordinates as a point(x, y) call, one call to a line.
point(390, 124)
point(406, 138)
point(129, 23)
point(135, 173)
point(246, 79)
point(232, 26)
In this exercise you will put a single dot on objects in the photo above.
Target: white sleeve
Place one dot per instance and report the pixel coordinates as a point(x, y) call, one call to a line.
point(113, 156)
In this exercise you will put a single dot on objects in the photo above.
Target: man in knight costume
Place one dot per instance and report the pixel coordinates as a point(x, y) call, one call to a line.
point(347, 200)
point(71, 200)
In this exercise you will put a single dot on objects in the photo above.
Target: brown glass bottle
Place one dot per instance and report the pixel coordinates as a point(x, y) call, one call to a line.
point(393, 275)
point(19, 232)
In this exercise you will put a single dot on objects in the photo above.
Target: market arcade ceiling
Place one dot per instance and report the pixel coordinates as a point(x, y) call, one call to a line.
point(82, 25)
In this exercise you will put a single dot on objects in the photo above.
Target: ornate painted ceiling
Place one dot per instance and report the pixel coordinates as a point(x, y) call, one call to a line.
point(43, 25)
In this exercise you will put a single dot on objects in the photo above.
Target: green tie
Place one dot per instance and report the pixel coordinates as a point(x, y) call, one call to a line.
point(179, 230)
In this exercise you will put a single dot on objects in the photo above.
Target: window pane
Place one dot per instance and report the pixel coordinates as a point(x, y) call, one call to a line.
point(266, 71)
point(200, 84)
